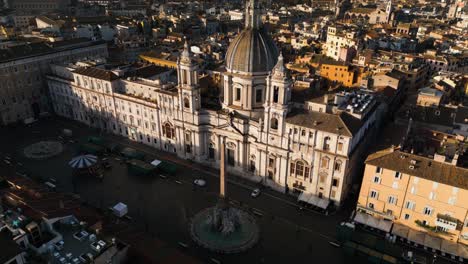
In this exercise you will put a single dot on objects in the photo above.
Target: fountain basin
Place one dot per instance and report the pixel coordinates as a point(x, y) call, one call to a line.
point(245, 236)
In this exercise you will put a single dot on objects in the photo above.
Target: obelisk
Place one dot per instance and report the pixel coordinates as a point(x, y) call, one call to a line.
point(222, 170)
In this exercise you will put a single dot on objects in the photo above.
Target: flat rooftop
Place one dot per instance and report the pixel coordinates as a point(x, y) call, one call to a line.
point(72, 246)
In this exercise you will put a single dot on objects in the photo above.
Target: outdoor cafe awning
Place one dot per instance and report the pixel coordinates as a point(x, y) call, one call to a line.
point(313, 200)
point(373, 222)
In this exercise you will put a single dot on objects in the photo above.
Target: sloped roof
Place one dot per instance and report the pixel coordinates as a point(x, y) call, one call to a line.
point(424, 168)
point(343, 123)
point(97, 73)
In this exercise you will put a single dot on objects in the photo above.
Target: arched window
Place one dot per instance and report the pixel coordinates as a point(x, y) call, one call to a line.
point(325, 162)
point(211, 151)
point(168, 130)
point(274, 123)
point(338, 164)
point(186, 103)
point(299, 169)
point(326, 143)
point(252, 166)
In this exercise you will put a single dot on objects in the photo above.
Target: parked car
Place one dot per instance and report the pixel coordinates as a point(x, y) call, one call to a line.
point(81, 235)
point(59, 245)
point(98, 246)
point(255, 193)
point(86, 258)
point(199, 182)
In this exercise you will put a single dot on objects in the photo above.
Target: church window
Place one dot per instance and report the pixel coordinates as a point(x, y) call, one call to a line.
point(186, 103)
point(258, 95)
point(275, 94)
point(211, 151)
point(325, 162)
point(292, 169)
point(326, 143)
point(238, 94)
point(252, 166)
point(168, 130)
point(340, 146)
point(274, 123)
point(231, 157)
point(299, 168)
point(338, 164)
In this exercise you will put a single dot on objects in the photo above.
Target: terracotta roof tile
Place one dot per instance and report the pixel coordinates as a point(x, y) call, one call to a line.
point(424, 167)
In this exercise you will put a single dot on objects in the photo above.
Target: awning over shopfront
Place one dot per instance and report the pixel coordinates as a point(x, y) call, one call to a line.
point(416, 236)
point(432, 242)
point(462, 251)
point(369, 220)
point(429, 241)
point(313, 200)
point(449, 247)
point(400, 230)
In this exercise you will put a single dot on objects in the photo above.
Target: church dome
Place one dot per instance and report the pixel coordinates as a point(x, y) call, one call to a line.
point(252, 51)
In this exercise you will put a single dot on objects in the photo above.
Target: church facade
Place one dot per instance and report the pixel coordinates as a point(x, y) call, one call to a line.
point(313, 148)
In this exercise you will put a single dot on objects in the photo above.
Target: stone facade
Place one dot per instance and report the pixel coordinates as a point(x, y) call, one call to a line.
point(23, 92)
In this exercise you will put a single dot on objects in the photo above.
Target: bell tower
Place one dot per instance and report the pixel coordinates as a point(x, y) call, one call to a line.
point(278, 96)
point(388, 10)
point(187, 75)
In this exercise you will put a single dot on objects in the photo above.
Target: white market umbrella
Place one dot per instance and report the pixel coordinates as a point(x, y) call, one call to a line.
point(83, 161)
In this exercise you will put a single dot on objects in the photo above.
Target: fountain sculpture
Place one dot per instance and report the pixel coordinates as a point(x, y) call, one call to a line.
point(223, 228)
